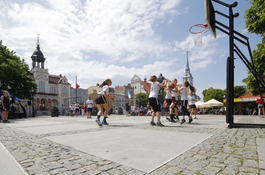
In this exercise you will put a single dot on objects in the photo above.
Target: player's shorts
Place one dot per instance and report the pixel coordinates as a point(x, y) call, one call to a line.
point(260, 106)
point(154, 102)
point(101, 100)
point(169, 101)
point(192, 106)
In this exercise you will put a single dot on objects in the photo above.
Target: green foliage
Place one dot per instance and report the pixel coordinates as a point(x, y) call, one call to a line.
point(258, 58)
point(212, 93)
point(143, 99)
point(255, 23)
point(255, 17)
point(14, 74)
point(239, 91)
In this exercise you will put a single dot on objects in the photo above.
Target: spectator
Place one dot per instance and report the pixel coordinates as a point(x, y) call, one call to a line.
point(89, 104)
point(128, 108)
point(260, 102)
point(255, 112)
point(76, 109)
point(5, 99)
point(71, 109)
point(82, 110)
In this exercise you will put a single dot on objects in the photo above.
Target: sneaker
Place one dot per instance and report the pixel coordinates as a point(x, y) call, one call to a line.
point(172, 119)
point(195, 118)
point(4, 121)
point(152, 123)
point(190, 120)
point(104, 122)
point(159, 124)
point(98, 122)
point(7, 121)
point(168, 119)
point(182, 121)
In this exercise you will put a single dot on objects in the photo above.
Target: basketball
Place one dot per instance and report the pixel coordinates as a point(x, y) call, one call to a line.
point(170, 85)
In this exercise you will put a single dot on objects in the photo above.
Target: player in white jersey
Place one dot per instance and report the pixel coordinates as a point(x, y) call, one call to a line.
point(184, 101)
point(102, 101)
point(153, 99)
point(192, 100)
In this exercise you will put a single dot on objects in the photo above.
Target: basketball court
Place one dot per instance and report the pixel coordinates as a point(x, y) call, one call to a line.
point(130, 141)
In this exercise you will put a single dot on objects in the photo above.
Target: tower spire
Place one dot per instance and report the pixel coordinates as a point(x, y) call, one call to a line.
point(188, 77)
point(187, 66)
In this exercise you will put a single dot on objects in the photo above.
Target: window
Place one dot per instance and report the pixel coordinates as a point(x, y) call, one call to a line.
point(41, 86)
point(52, 90)
point(64, 90)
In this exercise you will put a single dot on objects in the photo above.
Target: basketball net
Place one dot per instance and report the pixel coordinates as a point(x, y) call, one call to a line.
point(197, 32)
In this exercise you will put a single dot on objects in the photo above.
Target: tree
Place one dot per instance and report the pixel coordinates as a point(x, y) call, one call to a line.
point(141, 99)
point(255, 20)
point(14, 74)
point(239, 90)
point(211, 93)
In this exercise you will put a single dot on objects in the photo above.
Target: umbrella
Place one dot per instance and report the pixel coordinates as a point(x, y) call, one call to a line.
point(213, 102)
point(200, 104)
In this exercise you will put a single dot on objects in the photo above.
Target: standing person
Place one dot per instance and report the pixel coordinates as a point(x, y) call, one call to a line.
point(184, 101)
point(71, 109)
point(260, 102)
point(192, 100)
point(128, 108)
point(5, 99)
point(89, 104)
point(76, 109)
point(83, 110)
point(153, 99)
point(102, 101)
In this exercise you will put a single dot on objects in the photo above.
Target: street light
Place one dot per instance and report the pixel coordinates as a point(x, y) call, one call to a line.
point(32, 105)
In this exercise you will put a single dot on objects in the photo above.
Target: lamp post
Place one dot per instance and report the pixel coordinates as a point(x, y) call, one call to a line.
point(32, 104)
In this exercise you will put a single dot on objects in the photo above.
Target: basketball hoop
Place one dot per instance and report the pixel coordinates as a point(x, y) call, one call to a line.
point(197, 32)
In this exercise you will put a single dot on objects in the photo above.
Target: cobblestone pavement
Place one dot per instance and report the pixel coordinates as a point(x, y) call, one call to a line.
point(228, 151)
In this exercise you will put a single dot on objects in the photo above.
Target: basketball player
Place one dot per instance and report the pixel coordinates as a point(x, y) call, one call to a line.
point(184, 101)
point(168, 99)
point(102, 101)
point(175, 99)
point(153, 99)
point(192, 100)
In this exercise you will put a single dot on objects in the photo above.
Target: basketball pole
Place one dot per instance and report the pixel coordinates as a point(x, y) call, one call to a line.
point(230, 64)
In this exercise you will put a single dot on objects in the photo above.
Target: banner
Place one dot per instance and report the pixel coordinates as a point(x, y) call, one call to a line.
point(49, 104)
point(38, 103)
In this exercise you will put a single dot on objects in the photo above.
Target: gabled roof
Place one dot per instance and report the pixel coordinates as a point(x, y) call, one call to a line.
point(135, 77)
point(146, 85)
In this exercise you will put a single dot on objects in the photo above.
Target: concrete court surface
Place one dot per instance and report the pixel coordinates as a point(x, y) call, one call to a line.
point(137, 148)
point(142, 149)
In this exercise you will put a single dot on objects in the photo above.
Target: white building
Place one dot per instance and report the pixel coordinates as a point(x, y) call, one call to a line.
point(187, 76)
point(53, 90)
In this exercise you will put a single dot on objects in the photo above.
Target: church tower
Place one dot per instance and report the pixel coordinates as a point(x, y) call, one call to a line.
point(188, 77)
point(37, 57)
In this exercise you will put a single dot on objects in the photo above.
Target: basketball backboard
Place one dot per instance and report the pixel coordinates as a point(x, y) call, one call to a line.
point(210, 16)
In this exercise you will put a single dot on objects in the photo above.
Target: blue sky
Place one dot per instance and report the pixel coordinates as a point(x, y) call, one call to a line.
point(117, 39)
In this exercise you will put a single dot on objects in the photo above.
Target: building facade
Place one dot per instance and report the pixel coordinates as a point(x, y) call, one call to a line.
point(78, 95)
point(53, 90)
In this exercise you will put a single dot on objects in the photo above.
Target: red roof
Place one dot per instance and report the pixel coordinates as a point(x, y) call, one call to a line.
point(146, 85)
point(248, 95)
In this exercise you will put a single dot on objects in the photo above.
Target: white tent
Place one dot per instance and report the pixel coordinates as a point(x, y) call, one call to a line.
point(213, 102)
point(200, 104)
